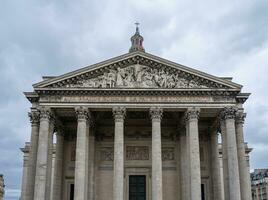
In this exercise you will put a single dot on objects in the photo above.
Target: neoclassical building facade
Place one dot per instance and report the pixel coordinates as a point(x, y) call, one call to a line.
point(136, 127)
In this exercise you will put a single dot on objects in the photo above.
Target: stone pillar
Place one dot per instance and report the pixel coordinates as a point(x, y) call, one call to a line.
point(91, 166)
point(25, 174)
point(80, 187)
point(34, 118)
point(184, 168)
point(156, 115)
point(233, 171)
point(215, 165)
point(58, 167)
point(224, 159)
point(49, 158)
point(244, 175)
point(192, 116)
point(42, 155)
point(118, 178)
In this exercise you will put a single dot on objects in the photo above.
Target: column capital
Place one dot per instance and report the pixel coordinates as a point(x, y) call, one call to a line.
point(240, 117)
point(156, 113)
point(45, 113)
point(119, 113)
point(228, 113)
point(192, 113)
point(34, 117)
point(82, 113)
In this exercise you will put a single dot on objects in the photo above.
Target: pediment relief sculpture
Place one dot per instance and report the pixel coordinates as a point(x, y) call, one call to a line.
point(138, 76)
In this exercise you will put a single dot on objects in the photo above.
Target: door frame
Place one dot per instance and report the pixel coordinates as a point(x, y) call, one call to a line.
point(138, 171)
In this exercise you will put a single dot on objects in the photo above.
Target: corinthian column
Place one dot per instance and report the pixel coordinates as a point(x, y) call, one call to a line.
point(156, 115)
point(42, 155)
point(118, 178)
point(192, 116)
point(215, 164)
point(57, 182)
point(244, 176)
point(233, 172)
point(34, 118)
point(80, 179)
point(224, 158)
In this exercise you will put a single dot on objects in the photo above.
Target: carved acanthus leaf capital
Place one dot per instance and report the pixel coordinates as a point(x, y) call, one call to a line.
point(192, 113)
point(228, 113)
point(34, 117)
point(156, 113)
point(240, 117)
point(82, 113)
point(45, 113)
point(119, 113)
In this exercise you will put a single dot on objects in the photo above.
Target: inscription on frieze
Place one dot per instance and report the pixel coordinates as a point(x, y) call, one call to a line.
point(137, 153)
point(168, 153)
point(106, 154)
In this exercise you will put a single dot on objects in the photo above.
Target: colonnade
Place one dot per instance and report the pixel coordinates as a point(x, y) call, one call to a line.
point(235, 170)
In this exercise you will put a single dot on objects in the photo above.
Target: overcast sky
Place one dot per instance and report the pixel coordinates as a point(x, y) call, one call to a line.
point(45, 37)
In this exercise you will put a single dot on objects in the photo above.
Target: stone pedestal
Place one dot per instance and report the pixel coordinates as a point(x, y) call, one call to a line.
point(192, 116)
point(244, 175)
point(80, 187)
point(34, 118)
point(215, 166)
point(118, 178)
point(42, 155)
point(233, 171)
point(156, 115)
point(58, 169)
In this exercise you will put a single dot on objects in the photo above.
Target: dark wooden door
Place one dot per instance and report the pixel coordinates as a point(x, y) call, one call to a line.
point(137, 187)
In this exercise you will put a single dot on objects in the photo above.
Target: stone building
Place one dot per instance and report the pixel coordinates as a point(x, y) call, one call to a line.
point(2, 187)
point(137, 126)
point(259, 184)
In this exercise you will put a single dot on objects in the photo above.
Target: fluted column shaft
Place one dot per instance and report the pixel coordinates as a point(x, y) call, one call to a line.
point(25, 173)
point(34, 118)
point(157, 189)
point(224, 160)
point(57, 183)
point(80, 180)
point(215, 165)
point(42, 155)
point(184, 168)
point(233, 171)
point(118, 178)
point(91, 167)
point(244, 175)
point(192, 116)
point(49, 158)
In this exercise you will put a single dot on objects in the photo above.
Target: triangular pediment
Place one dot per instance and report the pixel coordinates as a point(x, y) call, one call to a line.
point(137, 70)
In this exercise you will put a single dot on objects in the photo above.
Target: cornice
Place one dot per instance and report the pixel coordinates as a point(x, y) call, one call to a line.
point(132, 59)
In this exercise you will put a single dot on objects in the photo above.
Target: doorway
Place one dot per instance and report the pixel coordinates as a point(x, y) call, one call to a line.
point(137, 187)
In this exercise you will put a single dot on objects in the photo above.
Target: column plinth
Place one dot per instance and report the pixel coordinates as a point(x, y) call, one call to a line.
point(157, 188)
point(118, 178)
point(80, 186)
point(192, 116)
point(244, 175)
point(42, 155)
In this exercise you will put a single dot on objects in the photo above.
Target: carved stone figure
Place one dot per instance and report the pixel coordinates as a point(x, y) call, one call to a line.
point(138, 76)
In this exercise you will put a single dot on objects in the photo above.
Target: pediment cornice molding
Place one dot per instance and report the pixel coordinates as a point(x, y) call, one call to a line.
point(137, 70)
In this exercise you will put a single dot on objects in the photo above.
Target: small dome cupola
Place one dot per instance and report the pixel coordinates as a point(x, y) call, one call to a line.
point(136, 41)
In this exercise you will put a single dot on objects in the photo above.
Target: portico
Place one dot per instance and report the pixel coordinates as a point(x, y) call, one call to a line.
point(136, 127)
